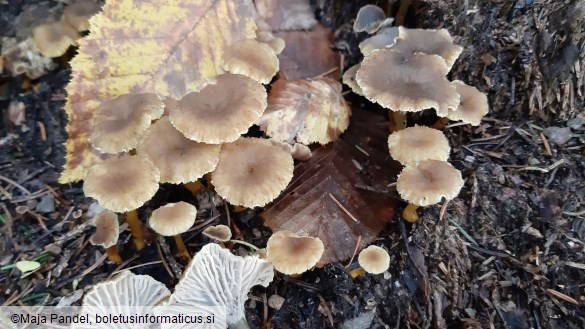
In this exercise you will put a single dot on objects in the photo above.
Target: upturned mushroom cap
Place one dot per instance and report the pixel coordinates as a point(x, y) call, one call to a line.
point(173, 218)
point(217, 278)
point(406, 82)
point(432, 42)
point(78, 13)
point(473, 105)
point(53, 39)
point(119, 123)
point(275, 43)
point(220, 233)
point(374, 260)
point(369, 19)
point(107, 229)
point(252, 172)
point(251, 58)
point(178, 158)
point(385, 38)
point(413, 144)
point(349, 79)
point(125, 294)
point(223, 111)
point(293, 254)
point(122, 184)
point(428, 182)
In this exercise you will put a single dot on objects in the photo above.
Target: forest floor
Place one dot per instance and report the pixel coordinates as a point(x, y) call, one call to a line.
point(509, 252)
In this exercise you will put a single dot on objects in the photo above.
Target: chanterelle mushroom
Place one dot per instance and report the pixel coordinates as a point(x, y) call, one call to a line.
point(217, 278)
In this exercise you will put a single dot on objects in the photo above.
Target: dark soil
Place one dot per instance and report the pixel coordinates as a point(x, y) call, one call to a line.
point(509, 252)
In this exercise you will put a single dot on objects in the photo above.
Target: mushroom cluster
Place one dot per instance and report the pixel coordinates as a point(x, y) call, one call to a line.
point(405, 70)
point(147, 140)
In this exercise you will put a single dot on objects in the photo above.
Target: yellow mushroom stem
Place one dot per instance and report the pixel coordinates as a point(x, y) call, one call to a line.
point(440, 123)
point(357, 272)
point(194, 187)
point(398, 120)
point(239, 209)
point(182, 248)
point(409, 213)
point(401, 13)
point(113, 254)
point(136, 228)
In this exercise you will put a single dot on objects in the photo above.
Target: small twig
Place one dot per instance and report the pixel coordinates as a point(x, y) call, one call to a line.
point(443, 210)
point(343, 208)
point(164, 262)
point(546, 145)
point(327, 309)
point(576, 214)
point(137, 266)
point(541, 169)
point(245, 244)
point(357, 245)
point(15, 184)
point(562, 296)
point(465, 234)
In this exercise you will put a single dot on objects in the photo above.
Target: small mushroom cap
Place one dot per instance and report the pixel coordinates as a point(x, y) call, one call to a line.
point(385, 38)
point(178, 158)
point(374, 260)
point(413, 144)
point(277, 44)
point(293, 254)
point(473, 105)
point(219, 233)
point(53, 39)
point(122, 184)
point(173, 218)
point(428, 182)
point(301, 152)
point(369, 19)
point(119, 123)
point(107, 229)
point(406, 82)
point(437, 42)
point(78, 13)
point(252, 172)
point(349, 79)
point(222, 111)
point(218, 278)
point(251, 58)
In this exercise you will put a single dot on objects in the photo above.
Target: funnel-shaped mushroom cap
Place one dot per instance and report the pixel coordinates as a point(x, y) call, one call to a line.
point(173, 218)
point(107, 229)
point(119, 123)
point(252, 172)
point(432, 42)
point(405, 82)
point(216, 277)
point(385, 38)
point(220, 113)
point(369, 19)
point(251, 58)
point(220, 233)
point(275, 43)
point(78, 13)
point(125, 294)
point(428, 182)
point(413, 144)
point(293, 254)
point(374, 260)
point(53, 39)
point(473, 105)
point(349, 79)
point(122, 184)
point(178, 158)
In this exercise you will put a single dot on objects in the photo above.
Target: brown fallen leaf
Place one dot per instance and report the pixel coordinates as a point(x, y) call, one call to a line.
point(164, 47)
point(306, 111)
point(285, 15)
point(340, 193)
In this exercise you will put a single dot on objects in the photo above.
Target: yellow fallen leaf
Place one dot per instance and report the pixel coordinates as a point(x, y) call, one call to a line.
point(26, 266)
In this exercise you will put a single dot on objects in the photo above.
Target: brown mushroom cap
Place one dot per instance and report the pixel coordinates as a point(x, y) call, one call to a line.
point(53, 39)
point(178, 158)
point(428, 182)
point(219, 233)
point(405, 82)
point(374, 260)
point(173, 218)
point(122, 184)
point(473, 105)
point(277, 44)
point(413, 144)
point(252, 172)
point(222, 111)
point(432, 42)
point(251, 58)
point(293, 254)
point(119, 123)
point(107, 229)
point(78, 13)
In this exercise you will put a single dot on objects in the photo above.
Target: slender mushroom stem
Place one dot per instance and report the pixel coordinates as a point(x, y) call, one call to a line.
point(242, 324)
point(357, 272)
point(182, 248)
point(136, 228)
point(113, 254)
point(401, 13)
point(398, 120)
point(245, 244)
point(239, 209)
point(194, 187)
point(409, 213)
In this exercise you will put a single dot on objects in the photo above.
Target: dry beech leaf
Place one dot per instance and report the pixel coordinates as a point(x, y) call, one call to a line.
point(285, 15)
point(308, 111)
point(342, 181)
point(308, 54)
point(147, 46)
